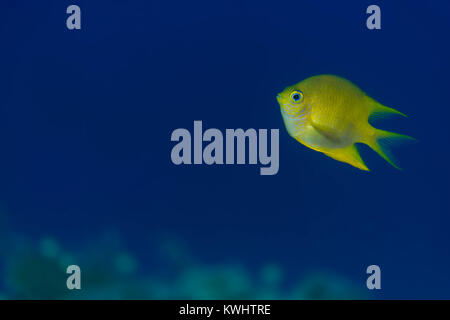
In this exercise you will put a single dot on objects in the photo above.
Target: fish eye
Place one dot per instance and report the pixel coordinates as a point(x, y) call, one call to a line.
point(296, 96)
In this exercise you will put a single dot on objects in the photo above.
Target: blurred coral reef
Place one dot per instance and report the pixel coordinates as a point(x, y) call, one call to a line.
point(37, 270)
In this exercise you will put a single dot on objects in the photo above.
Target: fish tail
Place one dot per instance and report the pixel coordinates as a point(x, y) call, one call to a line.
point(381, 141)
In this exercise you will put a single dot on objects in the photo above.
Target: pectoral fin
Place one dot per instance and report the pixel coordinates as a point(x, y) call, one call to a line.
point(349, 155)
point(327, 133)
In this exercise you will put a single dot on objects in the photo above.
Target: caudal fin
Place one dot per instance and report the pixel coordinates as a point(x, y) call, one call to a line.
point(381, 142)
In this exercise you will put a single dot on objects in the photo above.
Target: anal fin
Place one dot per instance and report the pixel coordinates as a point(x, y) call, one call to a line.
point(349, 155)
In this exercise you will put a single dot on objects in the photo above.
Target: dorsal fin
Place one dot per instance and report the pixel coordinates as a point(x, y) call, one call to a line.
point(377, 110)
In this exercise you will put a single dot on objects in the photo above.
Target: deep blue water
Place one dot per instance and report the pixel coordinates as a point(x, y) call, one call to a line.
point(86, 118)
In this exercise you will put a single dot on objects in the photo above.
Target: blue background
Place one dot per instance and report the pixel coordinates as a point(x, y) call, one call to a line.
point(86, 118)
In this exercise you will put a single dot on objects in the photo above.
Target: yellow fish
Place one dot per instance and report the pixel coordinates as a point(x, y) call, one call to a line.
point(330, 114)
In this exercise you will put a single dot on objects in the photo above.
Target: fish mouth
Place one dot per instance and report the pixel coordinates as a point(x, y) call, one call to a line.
point(278, 97)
